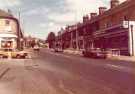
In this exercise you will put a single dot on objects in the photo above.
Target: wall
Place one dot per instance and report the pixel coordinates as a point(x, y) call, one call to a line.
point(8, 28)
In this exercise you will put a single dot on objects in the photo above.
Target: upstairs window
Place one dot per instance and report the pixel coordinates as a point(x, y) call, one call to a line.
point(125, 18)
point(7, 22)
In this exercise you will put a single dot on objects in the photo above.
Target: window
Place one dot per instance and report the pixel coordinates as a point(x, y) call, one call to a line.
point(125, 18)
point(108, 24)
point(7, 22)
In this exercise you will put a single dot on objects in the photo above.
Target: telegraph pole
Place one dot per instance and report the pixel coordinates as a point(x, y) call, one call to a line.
point(76, 27)
point(19, 32)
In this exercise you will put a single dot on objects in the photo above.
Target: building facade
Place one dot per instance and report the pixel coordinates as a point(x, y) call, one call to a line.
point(71, 37)
point(111, 29)
point(10, 32)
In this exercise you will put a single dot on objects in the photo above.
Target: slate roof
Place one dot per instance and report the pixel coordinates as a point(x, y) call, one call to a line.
point(5, 14)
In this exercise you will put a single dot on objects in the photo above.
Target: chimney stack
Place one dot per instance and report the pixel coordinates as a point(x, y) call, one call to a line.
point(85, 18)
point(114, 3)
point(102, 10)
point(93, 15)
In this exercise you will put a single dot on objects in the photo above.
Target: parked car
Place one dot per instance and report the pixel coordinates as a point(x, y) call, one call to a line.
point(95, 53)
point(19, 54)
point(36, 48)
point(3, 54)
point(58, 49)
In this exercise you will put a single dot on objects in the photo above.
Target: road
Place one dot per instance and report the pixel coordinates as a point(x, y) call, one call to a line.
point(57, 73)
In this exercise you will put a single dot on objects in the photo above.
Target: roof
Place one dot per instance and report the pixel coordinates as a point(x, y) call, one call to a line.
point(114, 10)
point(5, 14)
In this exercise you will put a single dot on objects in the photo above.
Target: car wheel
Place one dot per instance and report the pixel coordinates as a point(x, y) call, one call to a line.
point(5, 57)
point(18, 56)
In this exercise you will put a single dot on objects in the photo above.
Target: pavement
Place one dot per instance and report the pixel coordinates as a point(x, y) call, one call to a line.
point(72, 51)
point(59, 73)
point(123, 58)
point(119, 58)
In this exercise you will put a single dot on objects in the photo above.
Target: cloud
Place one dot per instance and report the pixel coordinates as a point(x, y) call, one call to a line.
point(82, 8)
point(77, 9)
point(54, 17)
point(36, 11)
point(68, 17)
point(9, 3)
point(51, 26)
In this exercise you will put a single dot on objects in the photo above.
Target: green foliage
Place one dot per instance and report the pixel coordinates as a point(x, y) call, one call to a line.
point(51, 39)
point(51, 36)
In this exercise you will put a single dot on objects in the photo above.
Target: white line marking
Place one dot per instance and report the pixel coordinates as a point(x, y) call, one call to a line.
point(119, 68)
point(61, 85)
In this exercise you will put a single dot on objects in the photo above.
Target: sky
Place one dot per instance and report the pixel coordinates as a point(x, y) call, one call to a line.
point(39, 17)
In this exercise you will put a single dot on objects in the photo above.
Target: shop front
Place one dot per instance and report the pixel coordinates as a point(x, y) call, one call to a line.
point(117, 42)
point(8, 41)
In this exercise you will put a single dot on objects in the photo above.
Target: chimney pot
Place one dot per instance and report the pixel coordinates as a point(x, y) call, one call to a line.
point(93, 15)
point(102, 10)
point(114, 3)
point(85, 18)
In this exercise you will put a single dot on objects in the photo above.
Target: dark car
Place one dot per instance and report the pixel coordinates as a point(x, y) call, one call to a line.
point(58, 49)
point(95, 53)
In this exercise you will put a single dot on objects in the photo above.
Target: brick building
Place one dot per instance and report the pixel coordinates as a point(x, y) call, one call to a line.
point(110, 29)
point(113, 28)
point(71, 37)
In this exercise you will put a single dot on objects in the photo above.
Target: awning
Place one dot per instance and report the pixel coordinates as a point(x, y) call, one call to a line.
point(8, 36)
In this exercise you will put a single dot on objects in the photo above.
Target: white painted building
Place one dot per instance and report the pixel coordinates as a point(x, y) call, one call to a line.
point(9, 31)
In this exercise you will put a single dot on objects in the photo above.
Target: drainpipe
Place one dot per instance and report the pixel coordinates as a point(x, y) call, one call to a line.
point(132, 36)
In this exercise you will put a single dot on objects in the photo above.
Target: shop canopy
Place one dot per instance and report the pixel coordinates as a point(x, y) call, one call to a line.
point(8, 36)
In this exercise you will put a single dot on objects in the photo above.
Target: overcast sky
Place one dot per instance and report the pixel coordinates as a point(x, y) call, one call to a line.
point(39, 17)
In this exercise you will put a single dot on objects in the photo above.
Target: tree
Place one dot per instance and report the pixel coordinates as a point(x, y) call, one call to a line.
point(51, 39)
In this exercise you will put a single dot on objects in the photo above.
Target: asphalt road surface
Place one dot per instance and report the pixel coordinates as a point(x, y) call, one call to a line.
point(56, 73)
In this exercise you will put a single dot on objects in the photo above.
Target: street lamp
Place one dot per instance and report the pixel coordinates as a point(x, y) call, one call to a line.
point(77, 37)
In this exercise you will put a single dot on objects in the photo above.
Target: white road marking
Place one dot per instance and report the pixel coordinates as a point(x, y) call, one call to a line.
point(119, 68)
point(61, 85)
point(67, 56)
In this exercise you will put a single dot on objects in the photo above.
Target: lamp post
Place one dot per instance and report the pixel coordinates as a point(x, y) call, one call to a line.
point(19, 32)
point(77, 37)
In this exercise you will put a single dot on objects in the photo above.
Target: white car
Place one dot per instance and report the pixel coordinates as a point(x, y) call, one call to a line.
point(19, 54)
point(36, 48)
point(58, 50)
